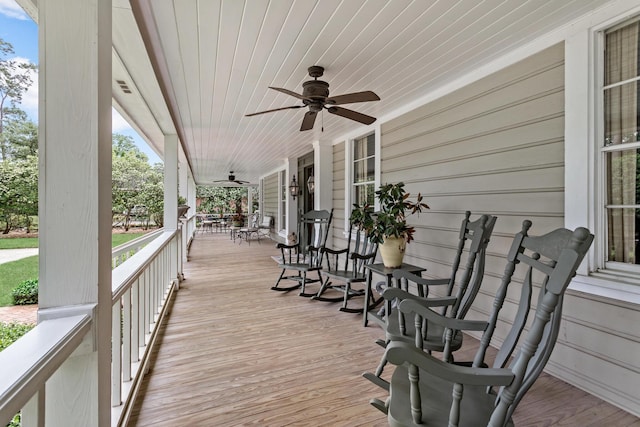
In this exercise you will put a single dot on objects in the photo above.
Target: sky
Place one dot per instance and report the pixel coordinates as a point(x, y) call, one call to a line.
point(17, 28)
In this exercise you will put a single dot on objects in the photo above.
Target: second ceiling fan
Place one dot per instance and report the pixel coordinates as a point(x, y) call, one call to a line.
point(315, 95)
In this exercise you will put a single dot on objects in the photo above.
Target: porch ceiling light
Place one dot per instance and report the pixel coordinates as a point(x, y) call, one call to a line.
point(294, 188)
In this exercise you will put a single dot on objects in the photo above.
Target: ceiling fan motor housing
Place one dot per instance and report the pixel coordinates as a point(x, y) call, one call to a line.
point(316, 92)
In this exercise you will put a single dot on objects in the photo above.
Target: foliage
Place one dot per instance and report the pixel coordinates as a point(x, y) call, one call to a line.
point(25, 293)
point(221, 199)
point(20, 135)
point(135, 182)
point(10, 332)
point(14, 272)
point(390, 221)
point(15, 79)
point(18, 192)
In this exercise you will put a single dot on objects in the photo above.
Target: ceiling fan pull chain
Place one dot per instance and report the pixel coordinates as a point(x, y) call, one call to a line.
point(322, 129)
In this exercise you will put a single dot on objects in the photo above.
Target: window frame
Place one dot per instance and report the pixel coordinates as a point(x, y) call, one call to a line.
point(601, 150)
point(349, 192)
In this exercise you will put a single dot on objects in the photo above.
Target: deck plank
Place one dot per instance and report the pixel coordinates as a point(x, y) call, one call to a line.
point(233, 352)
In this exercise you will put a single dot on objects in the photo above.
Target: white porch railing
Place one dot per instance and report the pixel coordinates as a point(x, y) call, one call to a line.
point(142, 289)
point(126, 250)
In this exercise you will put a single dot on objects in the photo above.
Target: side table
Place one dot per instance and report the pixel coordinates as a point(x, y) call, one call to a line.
point(380, 269)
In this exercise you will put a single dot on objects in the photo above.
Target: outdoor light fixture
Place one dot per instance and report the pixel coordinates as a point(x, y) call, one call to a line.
point(294, 188)
point(311, 184)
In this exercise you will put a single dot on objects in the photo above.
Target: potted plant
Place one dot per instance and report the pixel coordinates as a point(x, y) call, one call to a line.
point(388, 227)
point(182, 207)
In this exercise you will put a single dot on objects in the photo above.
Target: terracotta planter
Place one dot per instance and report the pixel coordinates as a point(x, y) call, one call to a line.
point(392, 251)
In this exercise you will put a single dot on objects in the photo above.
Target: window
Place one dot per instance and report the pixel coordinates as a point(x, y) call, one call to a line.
point(364, 162)
point(620, 144)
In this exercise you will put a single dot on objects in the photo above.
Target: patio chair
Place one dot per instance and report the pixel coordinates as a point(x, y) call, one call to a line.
point(264, 228)
point(477, 234)
point(305, 255)
point(340, 277)
point(251, 229)
point(428, 391)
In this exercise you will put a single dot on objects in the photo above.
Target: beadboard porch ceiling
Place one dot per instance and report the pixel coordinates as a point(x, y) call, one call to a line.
point(213, 60)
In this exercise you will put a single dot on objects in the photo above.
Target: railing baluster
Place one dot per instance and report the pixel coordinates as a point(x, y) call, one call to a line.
point(116, 358)
point(135, 321)
point(126, 339)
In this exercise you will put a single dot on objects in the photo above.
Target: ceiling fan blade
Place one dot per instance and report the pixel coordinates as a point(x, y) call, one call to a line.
point(275, 109)
point(308, 120)
point(353, 115)
point(288, 92)
point(350, 98)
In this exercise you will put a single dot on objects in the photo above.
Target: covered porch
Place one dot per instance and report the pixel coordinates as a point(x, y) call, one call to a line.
point(233, 352)
point(488, 107)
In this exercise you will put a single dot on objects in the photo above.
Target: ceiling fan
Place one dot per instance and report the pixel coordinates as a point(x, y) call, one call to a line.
point(315, 95)
point(232, 178)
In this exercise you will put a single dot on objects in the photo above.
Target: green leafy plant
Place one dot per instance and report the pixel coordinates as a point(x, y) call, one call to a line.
point(25, 293)
point(9, 333)
point(391, 220)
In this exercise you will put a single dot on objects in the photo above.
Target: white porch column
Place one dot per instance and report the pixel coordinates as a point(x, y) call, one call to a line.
point(249, 201)
point(170, 182)
point(323, 175)
point(183, 190)
point(75, 199)
point(191, 194)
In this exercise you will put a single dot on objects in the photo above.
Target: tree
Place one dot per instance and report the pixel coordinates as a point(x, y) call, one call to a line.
point(15, 79)
point(221, 199)
point(20, 135)
point(135, 183)
point(18, 192)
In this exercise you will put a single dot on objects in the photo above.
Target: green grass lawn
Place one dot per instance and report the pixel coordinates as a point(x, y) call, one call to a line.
point(12, 273)
point(19, 243)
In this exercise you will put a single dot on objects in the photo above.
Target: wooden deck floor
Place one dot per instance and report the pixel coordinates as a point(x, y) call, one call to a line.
point(235, 353)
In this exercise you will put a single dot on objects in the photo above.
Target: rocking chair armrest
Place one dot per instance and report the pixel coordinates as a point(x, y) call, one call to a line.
point(391, 293)
point(435, 282)
point(334, 251)
point(362, 257)
point(311, 248)
point(285, 246)
point(413, 306)
point(398, 352)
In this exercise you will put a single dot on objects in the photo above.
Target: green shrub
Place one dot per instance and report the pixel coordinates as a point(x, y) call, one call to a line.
point(26, 293)
point(10, 332)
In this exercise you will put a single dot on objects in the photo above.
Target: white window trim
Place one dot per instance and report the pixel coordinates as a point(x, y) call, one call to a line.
point(348, 173)
point(584, 193)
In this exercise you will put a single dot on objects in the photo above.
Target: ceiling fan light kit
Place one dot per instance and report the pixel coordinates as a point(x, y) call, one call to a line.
point(315, 96)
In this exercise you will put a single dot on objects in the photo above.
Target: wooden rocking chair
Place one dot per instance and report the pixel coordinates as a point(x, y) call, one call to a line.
point(477, 234)
point(428, 391)
point(358, 253)
point(306, 254)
